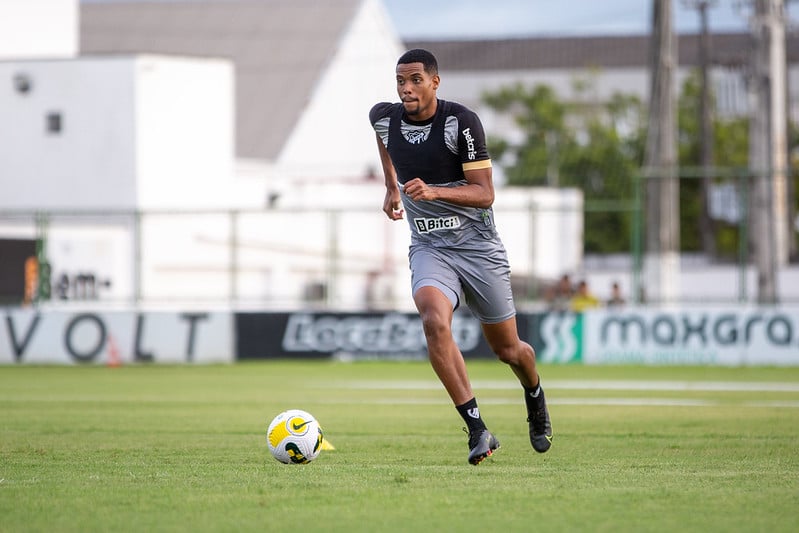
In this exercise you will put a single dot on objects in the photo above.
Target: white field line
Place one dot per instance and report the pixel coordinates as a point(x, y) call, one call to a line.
point(615, 385)
point(596, 385)
point(628, 402)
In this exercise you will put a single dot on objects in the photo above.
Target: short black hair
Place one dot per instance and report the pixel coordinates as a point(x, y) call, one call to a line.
point(418, 55)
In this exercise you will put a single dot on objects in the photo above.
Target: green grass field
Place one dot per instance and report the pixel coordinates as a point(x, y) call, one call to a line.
point(167, 448)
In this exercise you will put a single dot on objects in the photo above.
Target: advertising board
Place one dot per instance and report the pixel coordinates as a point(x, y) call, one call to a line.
point(114, 337)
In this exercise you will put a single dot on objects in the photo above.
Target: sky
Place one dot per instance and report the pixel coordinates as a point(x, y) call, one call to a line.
point(476, 19)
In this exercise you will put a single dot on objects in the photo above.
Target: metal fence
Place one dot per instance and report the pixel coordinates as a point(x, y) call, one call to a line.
point(352, 258)
point(737, 234)
point(273, 258)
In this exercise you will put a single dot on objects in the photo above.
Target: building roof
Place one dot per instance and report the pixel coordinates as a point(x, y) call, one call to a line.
point(631, 51)
point(280, 48)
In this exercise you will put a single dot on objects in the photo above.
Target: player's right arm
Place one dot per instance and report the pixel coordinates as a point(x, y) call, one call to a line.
point(379, 118)
point(392, 205)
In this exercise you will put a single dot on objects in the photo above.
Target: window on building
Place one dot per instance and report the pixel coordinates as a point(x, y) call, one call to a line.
point(54, 122)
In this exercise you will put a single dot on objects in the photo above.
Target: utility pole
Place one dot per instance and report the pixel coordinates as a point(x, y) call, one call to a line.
point(706, 226)
point(768, 157)
point(661, 267)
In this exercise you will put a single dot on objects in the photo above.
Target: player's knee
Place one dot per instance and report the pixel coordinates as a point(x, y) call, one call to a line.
point(508, 353)
point(514, 353)
point(435, 324)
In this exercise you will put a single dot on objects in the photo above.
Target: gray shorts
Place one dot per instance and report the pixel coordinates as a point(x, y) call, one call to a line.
point(479, 270)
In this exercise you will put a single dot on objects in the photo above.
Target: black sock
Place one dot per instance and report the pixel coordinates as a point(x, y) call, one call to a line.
point(471, 415)
point(533, 396)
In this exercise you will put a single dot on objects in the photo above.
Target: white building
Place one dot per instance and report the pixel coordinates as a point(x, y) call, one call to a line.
point(117, 133)
point(214, 151)
point(38, 28)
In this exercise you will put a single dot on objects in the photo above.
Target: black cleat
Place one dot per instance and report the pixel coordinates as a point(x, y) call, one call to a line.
point(481, 445)
point(540, 426)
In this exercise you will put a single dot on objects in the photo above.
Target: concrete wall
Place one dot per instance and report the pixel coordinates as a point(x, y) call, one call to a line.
point(116, 133)
point(184, 132)
point(334, 139)
point(90, 162)
point(38, 28)
point(131, 133)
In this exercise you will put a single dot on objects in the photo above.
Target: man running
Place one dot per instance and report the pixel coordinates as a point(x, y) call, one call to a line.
point(437, 168)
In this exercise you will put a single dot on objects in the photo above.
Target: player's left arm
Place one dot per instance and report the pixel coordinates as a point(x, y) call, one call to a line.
point(478, 191)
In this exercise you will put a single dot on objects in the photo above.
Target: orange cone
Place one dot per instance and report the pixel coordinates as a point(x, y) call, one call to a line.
point(114, 359)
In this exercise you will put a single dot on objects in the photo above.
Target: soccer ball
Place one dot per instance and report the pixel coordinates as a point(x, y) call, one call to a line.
point(294, 436)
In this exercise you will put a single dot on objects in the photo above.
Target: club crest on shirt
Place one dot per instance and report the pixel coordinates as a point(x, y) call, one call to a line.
point(416, 136)
point(427, 225)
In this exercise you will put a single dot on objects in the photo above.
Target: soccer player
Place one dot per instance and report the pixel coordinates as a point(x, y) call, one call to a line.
point(438, 172)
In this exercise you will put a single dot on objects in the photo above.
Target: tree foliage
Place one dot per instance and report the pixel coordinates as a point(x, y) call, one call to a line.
point(596, 147)
point(730, 142)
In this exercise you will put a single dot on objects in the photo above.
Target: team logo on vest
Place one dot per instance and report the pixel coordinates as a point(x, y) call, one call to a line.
point(426, 225)
point(415, 136)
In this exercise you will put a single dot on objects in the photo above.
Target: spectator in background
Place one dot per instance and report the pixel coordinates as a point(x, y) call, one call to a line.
point(616, 299)
point(559, 297)
point(583, 299)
